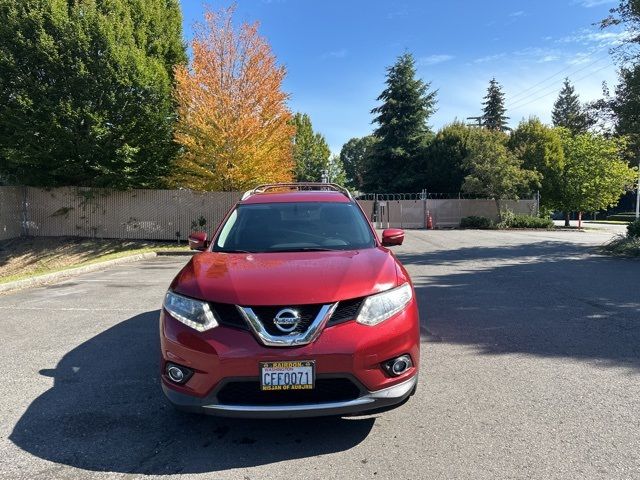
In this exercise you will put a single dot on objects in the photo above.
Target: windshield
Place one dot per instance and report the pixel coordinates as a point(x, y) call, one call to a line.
point(290, 227)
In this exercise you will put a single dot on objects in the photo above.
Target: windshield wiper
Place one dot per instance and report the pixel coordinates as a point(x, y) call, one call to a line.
point(233, 251)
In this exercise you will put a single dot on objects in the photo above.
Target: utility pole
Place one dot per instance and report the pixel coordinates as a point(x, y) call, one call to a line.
point(477, 121)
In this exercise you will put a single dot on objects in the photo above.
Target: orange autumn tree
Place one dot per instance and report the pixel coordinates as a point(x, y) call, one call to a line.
point(234, 124)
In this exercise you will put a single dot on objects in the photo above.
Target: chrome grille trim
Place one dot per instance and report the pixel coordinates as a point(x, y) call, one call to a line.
point(323, 316)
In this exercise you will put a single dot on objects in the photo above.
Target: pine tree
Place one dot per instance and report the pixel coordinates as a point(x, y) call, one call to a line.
point(310, 151)
point(86, 91)
point(567, 111)
point(402, 129)
point(493, 111)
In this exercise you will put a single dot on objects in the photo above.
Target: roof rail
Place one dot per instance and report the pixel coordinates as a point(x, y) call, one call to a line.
point(300, 186)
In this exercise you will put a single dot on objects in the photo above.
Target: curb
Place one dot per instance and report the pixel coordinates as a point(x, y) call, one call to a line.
point(177, 253)
point(64, 274)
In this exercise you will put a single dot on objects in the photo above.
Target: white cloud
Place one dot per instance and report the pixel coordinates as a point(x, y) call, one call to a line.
point(490, 58)
point(593, 3)
point(548, 58)
point(434, 59)
point(601, 39)
point(519, 13)
point(336, 53)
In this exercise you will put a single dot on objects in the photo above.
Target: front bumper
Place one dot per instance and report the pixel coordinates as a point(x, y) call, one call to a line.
point(347, 351)
point(368, 402)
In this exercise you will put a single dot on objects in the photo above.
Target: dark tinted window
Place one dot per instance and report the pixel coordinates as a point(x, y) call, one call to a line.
point(299, 226)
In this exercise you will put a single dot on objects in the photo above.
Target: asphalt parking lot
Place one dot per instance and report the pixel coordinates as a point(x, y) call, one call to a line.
point(530, 369)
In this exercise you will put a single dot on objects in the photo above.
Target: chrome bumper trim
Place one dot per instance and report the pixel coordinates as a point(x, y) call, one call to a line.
point(379, 399)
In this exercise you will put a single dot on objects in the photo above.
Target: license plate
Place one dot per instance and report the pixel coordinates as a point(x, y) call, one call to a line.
point(297, 375)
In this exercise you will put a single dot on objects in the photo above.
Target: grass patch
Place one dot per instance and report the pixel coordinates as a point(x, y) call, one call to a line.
point(26, 257)
point(608, 222)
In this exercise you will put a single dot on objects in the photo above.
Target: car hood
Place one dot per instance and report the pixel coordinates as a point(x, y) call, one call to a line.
point(289, 278)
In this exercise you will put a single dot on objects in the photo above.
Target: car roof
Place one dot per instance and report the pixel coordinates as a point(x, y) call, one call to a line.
point(292, 196)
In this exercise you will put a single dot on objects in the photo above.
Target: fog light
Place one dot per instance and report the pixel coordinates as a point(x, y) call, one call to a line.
point(178, 373)
point(397, 366)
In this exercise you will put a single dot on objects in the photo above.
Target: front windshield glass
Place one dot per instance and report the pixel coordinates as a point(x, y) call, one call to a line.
point(301, 226)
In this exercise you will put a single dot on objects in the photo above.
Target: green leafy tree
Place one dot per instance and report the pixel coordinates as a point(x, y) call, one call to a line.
point(310, 151)
point(493, 109)
point(446, 155)
point(567, 111)
point(595, 173)
point(402, 132)
point(336, 172)
point(86, 90)
point(540, 149)
point(356, 156)
point(494, 170)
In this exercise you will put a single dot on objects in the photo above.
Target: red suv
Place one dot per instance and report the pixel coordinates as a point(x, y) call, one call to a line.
point(294, 309)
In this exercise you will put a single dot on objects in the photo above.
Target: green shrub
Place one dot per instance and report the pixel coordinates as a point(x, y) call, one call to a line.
point(633, 229)
point(623, 246)
point(476, 222)
point(622, 217)
point(511, 220)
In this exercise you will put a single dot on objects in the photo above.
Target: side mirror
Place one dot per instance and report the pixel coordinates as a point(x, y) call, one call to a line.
point(198, 241)
point(392, 236)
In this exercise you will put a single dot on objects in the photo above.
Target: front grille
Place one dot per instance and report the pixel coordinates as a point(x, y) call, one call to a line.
point(346, 310)
point(229, 316)
point(326, 390)
point(267, 314)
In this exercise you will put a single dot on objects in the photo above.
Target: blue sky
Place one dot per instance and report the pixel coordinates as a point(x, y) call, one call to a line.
point(336, 53)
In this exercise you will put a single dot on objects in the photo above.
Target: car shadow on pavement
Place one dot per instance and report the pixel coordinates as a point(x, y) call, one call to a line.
point(553, 299)
point(106, 412)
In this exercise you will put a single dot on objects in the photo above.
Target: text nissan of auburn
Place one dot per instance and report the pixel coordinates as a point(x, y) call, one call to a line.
point(293, 309)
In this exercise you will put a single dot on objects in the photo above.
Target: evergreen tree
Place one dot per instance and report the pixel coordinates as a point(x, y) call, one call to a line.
point(310, 151)
point(567, 111)
point(402, 130)
point(626, 105)
point(86, 90)
point(493, 110)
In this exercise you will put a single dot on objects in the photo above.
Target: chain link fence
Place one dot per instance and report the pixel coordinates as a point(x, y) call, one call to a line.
point(402, 210)
point(11, 200)
point(172, 214)
point(105, 213)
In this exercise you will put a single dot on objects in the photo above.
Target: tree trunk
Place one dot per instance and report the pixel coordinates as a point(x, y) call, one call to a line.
point(497, 200)
point(566, 219)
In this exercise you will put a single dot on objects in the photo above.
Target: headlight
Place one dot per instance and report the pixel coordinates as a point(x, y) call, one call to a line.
point(193, 313)
point(377, 308)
